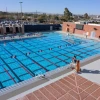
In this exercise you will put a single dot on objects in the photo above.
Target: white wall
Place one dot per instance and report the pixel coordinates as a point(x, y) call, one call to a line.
point(94, 24)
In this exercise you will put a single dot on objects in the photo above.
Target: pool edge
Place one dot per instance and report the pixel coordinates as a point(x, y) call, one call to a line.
point(19, 88)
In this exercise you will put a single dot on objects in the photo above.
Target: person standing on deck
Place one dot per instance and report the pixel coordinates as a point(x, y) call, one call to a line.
point(78, 69)
point(87, 33)
point(74, 60)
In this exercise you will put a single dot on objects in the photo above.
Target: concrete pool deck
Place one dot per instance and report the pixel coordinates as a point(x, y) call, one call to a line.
point(72, 87)
point(22, 92)
point(92, 71)
point(19, 38)
point(83, 86)
point(34, 36)
point(79, 35)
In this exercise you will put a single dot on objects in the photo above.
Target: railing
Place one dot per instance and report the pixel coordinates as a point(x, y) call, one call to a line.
point(19, 37)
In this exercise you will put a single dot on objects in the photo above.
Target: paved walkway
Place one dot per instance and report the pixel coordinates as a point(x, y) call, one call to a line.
point(83, 86)
point(81, 35)
point(92, 71)
point(72, 87)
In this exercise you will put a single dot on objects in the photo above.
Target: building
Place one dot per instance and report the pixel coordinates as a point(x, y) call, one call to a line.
point(81, 28)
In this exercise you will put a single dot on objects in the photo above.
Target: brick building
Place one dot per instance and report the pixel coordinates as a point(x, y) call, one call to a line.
point(71, 27)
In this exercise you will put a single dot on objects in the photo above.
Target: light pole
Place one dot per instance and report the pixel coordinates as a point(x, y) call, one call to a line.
point(21, 9)
point(6, 13)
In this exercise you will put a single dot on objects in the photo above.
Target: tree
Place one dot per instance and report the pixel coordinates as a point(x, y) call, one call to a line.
point(76, 18)
point(62, 18)
point(86, 16)
point(35, 15)
point(56, 17)
point(67, 14)
point(49, 16)
point(42, 18)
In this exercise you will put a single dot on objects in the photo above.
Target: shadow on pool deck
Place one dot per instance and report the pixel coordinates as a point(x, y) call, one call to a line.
point(90, 71)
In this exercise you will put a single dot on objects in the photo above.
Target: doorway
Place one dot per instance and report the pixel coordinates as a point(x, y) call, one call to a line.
point(67, 29)
point(93, 34)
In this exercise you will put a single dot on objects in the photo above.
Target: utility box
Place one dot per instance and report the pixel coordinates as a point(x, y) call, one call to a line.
point(51, 28)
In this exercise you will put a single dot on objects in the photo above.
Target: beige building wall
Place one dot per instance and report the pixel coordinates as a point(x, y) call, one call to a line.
point(3, 29)
point(22, 26)
point(14, 28)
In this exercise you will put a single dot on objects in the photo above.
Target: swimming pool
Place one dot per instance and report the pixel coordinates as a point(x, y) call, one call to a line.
point(39, 55)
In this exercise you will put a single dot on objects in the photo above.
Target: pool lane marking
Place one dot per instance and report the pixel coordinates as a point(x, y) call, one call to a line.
point(25, 68)
point(10, 76)
point(42, 57)
point(11, 70)
point(33, 60)
point(1, 85)
point(9, 67)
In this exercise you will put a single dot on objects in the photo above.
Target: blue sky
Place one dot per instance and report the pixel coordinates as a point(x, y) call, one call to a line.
point(53, 6)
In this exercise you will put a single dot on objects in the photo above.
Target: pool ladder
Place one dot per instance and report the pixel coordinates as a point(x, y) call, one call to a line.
point(42, 76)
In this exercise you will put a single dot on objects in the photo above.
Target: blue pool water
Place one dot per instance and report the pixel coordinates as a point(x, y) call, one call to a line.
point(47, 53)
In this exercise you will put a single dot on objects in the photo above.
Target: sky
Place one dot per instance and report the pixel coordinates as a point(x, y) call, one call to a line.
point(52, 6)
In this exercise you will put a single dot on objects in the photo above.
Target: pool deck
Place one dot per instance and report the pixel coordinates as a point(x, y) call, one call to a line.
point(34, 36)
point(79, 35)
point(82, 86)
point(92, 71)
point(19, 38)
point(72, 87)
